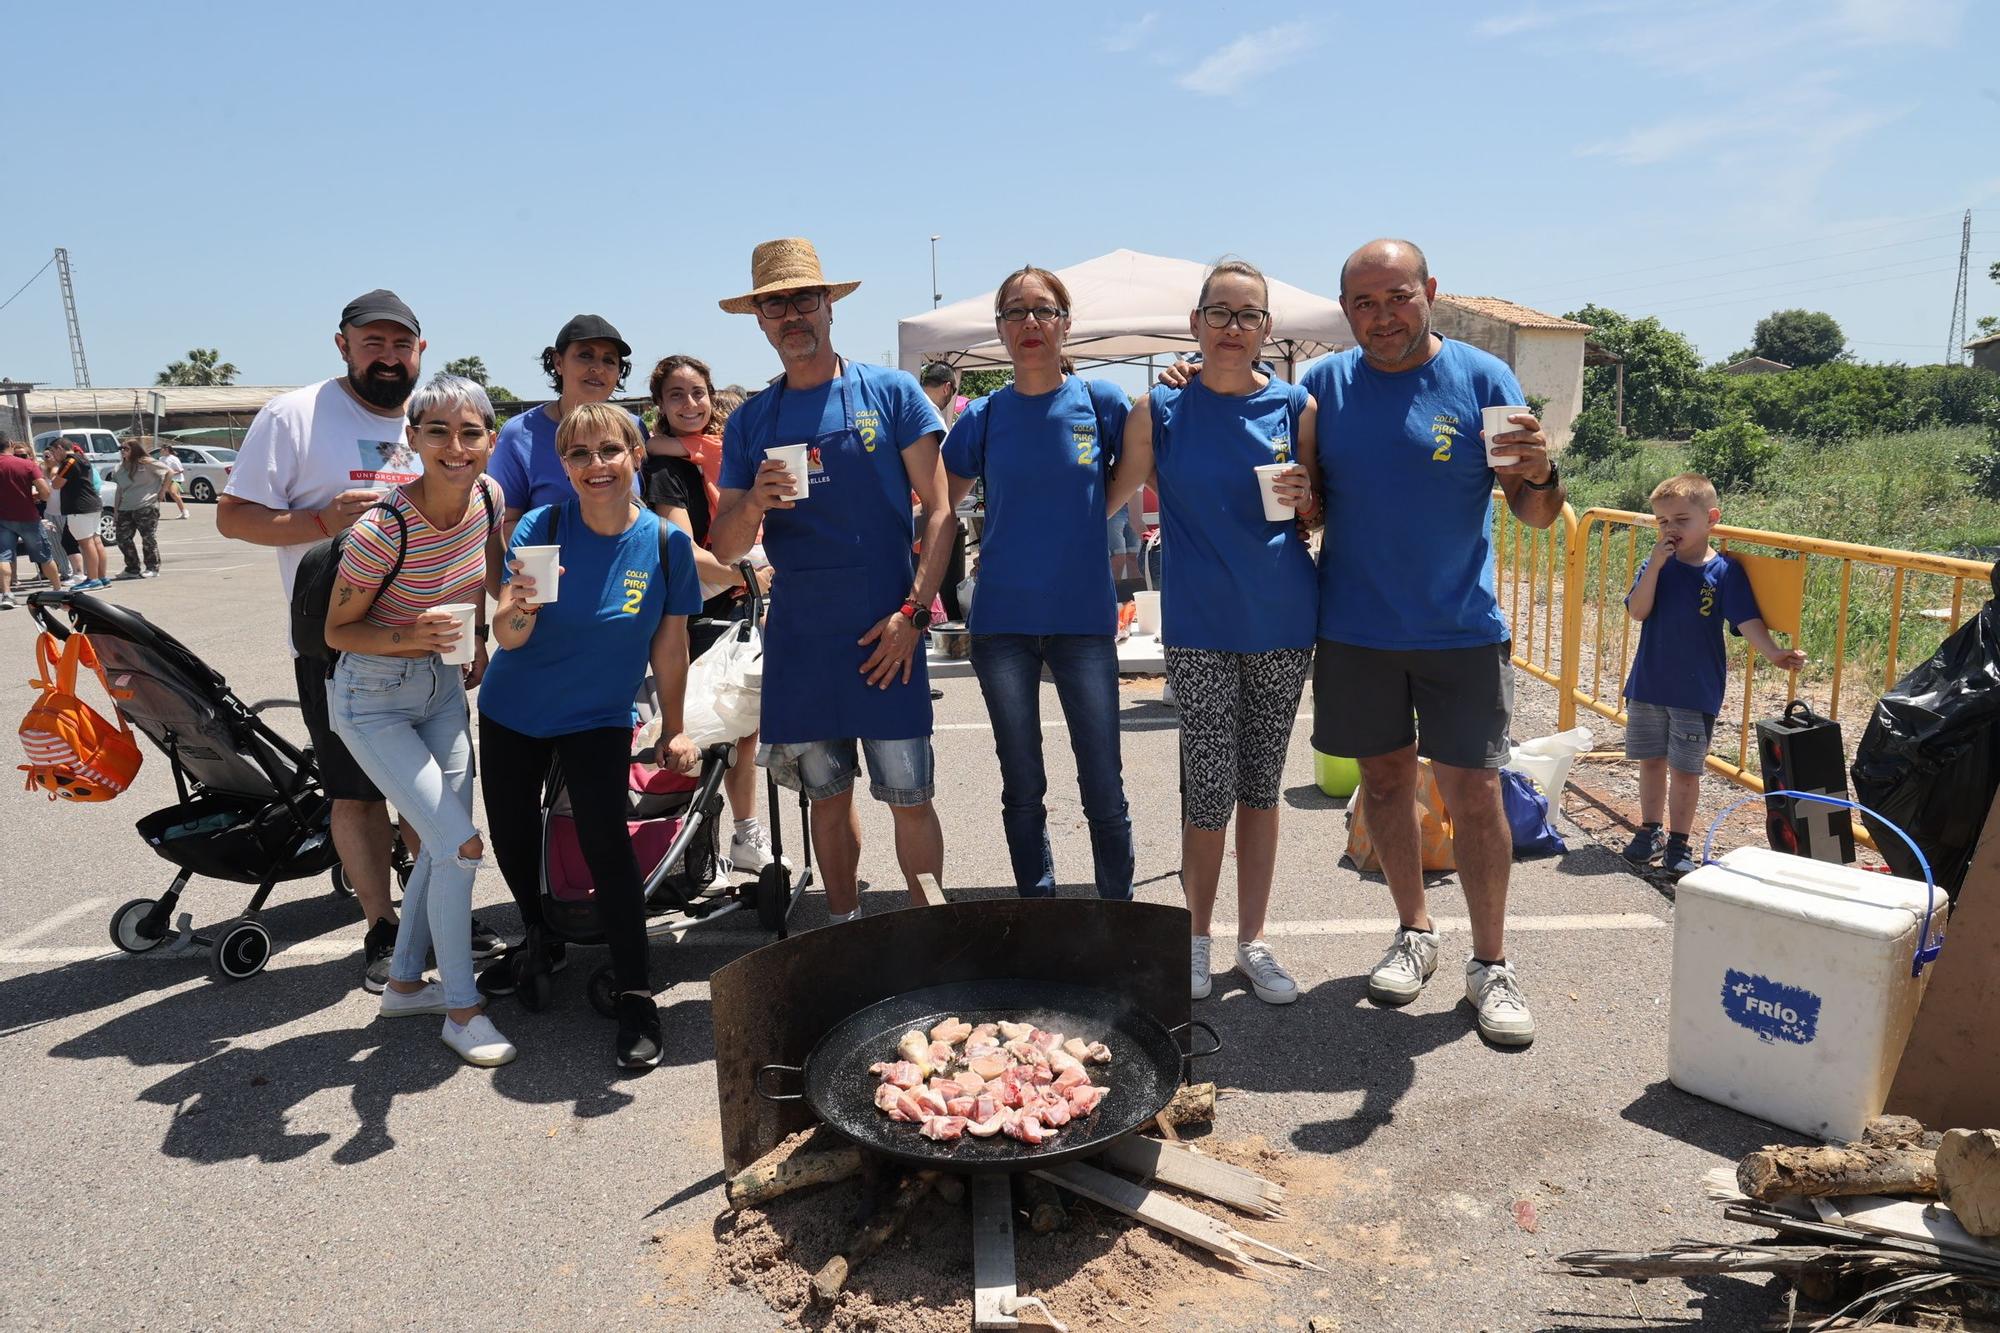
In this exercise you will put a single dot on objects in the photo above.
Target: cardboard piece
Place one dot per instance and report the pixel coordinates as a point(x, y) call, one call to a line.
point(1950, 1073)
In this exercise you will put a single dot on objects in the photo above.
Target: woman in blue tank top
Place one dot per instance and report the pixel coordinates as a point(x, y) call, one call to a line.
point(1044, 598)
point(1240, 600)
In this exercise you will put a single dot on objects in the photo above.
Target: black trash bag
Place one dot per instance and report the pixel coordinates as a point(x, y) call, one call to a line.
point(1930, 759)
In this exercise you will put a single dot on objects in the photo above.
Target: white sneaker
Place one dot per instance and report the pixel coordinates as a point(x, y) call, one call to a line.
point(1268, 978)
point(1399, 978)
point(1200, 983)
point(429, 1000)
point(842, 918)
point(1504, 1019)
point(6, 601)
point(750, 849)
point(478, 1042)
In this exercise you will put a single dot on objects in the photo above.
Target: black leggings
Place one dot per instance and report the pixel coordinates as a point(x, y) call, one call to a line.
point(596, 770)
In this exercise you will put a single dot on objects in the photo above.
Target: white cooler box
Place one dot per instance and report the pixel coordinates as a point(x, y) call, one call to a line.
point(1792, 993)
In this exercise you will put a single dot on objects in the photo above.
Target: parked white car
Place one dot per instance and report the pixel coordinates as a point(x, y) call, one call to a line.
point(207, 470)
point(99, 446)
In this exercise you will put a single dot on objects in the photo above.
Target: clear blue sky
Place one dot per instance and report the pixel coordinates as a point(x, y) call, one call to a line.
point(230, 175)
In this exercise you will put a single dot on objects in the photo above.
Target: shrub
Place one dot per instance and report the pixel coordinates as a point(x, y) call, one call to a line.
point(1594, 437)
point(1732, 454)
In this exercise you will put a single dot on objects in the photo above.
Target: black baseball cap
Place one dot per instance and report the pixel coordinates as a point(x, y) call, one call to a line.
point(379, 304)
point(591, 328)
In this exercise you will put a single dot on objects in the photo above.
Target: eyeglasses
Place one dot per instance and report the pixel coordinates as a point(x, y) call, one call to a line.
point(776, 307)
point(1043, 314)
point(1221, 317)
point(439, 436)
point(610, 453)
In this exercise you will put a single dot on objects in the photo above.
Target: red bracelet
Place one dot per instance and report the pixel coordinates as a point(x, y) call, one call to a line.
point(320, 522)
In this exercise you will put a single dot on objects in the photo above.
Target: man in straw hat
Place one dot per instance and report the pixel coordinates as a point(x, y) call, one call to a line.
point(843, 660)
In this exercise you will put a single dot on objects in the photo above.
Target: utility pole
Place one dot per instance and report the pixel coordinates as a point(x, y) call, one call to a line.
point(76, 362)
point(937, 296)
point(1954, 348)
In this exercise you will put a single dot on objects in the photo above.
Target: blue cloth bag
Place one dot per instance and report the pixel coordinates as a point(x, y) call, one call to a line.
point(1528, 816)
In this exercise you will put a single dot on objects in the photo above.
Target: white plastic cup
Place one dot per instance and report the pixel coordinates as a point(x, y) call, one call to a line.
point(796, 461)
point(468, 629)
point(1147, 601)
point(542, 564)
point(1493, 422)
point(1267, 486)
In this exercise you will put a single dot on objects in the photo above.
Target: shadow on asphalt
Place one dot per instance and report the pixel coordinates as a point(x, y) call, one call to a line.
point(1698, 1122)
point(1721, 1302)
point(1308, 796)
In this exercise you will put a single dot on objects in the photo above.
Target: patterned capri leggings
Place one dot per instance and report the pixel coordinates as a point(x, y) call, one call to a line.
point(1237, 711)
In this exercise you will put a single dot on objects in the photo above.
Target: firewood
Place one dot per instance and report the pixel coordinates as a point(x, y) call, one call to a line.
point(1859, 1168)
point(795, 1164)
point(873, 1235)
point(1044, 1205)
point(1968, 1177)
point(1194, 1104)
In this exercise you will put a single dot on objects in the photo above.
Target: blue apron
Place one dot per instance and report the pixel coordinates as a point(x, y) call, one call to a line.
point(843, 562)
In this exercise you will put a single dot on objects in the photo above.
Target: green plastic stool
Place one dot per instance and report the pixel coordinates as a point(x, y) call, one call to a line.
point(1334, 776)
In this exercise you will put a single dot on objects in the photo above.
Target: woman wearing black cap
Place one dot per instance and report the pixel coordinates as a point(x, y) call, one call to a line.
point(588, 364)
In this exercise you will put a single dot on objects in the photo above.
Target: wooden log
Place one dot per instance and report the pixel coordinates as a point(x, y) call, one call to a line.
point(1185, 1168)
point(1044, 1206)
point(1968, 1177)
point(1194, 1104)
point(993, 1291)
point(798, 1163)
point(1859, 1168)
point(873, 1235)
point(1171, 1216)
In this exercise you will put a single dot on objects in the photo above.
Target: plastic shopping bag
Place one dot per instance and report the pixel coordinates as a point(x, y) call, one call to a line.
point(725, 688)
point(1434, 833)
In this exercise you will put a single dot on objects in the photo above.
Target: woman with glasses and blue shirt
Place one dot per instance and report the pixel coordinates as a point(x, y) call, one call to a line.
point(1240, 604)
point(1044, 446)
point(562, 686)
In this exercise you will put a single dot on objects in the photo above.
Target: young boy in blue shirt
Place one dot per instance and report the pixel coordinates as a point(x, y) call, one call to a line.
point(1680, 598)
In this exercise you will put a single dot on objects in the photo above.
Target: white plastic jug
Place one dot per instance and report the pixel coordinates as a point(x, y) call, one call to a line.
point(1548, 759)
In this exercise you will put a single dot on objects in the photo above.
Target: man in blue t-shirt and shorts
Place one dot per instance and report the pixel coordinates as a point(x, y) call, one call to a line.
point(844, 670)
point(1408, 622)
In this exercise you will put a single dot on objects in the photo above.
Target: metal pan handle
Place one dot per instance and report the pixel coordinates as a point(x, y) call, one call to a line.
point(1188, 1057)
point(757, 1082)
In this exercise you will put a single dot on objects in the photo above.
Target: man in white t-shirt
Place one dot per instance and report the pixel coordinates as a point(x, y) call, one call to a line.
point(312, 462)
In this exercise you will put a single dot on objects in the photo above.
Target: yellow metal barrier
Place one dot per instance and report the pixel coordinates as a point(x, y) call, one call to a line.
point(1527, 587)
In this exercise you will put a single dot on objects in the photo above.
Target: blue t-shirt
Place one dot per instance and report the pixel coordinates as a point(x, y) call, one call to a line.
point(1407, 559)
point(583, 666)
point(1044, 563)
point(1682, 662)
point(525, 464)
point(889, 408)
point(1234, 581)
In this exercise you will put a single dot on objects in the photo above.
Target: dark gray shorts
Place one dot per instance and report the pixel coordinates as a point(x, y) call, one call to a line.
point(1454, 703)
point(1679, 735)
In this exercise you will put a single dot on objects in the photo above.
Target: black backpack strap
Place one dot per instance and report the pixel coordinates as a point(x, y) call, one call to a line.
point(402, 542)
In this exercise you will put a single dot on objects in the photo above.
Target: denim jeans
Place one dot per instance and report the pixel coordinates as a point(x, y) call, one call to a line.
point(404, 720)
point(1085, 667)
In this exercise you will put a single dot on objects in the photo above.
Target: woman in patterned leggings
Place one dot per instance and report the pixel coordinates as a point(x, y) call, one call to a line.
point(1239, 605)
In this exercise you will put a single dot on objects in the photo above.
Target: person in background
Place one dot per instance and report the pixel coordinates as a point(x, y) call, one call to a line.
point(23, 488)
point(1681, 596)
point(587, 364)
point(683, 462)
point(1237, 617)
point(83, 509)
point(1044, 446)
point(844, 666)
point(400, 707)
point(940, 383)
point(727, 399)
point(140, 479)
point(562, 687)
point(175, 470)
point(1123, 543)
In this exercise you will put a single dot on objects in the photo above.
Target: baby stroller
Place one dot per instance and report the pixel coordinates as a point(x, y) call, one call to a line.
point(250, 808)
point(675, 821)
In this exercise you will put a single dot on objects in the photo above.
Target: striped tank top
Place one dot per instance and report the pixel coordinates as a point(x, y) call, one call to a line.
point(439, 566)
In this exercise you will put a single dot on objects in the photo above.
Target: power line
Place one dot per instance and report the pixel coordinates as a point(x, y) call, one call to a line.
point(1811, 284)
point(29, 283)
point(1762, 268)
point(1756, 299)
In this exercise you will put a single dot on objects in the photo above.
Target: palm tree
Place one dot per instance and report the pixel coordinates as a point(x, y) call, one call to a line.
point(203, 366)
point(468, 367)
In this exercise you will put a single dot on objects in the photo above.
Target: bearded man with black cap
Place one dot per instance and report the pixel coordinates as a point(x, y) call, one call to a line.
point(312, 462)
point(588, 364)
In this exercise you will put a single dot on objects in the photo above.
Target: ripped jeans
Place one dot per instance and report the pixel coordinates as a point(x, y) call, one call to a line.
point(404, 719)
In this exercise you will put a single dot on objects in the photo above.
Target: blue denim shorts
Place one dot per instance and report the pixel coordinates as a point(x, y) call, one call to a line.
point(1679, 735)
point(899, 772)
point(27, 538)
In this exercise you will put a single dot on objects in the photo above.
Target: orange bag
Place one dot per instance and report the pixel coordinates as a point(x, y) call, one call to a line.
point(1434, 826)
point(73, 751)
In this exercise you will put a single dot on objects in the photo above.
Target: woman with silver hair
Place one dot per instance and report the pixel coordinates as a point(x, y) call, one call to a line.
point(429, 545)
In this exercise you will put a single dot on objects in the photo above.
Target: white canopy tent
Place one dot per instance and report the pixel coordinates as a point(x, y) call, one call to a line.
point(1127, 307)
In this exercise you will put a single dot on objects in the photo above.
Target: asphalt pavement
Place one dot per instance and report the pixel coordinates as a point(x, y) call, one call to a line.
point(185, 1154)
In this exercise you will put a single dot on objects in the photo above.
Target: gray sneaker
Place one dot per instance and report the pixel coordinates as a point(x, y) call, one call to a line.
point(1268, 979)
point(1200, 983)
point(1399, 978)
point(1494, 991)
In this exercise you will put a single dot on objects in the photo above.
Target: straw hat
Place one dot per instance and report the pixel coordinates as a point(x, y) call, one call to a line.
point(788, 264)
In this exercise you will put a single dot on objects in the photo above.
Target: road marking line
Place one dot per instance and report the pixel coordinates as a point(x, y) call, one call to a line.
point(1386, 925)
point(54, 923)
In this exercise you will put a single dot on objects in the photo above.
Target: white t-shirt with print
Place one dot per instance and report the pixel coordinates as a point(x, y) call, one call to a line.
point(309, 445)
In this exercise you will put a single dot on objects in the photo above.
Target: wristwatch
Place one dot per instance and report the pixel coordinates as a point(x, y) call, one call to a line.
point(920, 616)
point(1555, 479)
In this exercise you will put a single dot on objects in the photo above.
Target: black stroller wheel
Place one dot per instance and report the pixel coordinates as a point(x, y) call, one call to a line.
point(338, 875)
point(602, 991)
point(773, 895)
point(241, 949)
point(125, 927)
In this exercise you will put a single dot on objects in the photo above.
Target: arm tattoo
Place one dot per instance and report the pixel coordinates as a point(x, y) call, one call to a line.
point(518, 622)
point(396, 636)
point(346, 592)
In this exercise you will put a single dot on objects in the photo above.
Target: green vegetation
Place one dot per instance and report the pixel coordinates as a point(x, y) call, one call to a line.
point(1797, 338)
point(204, 366)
